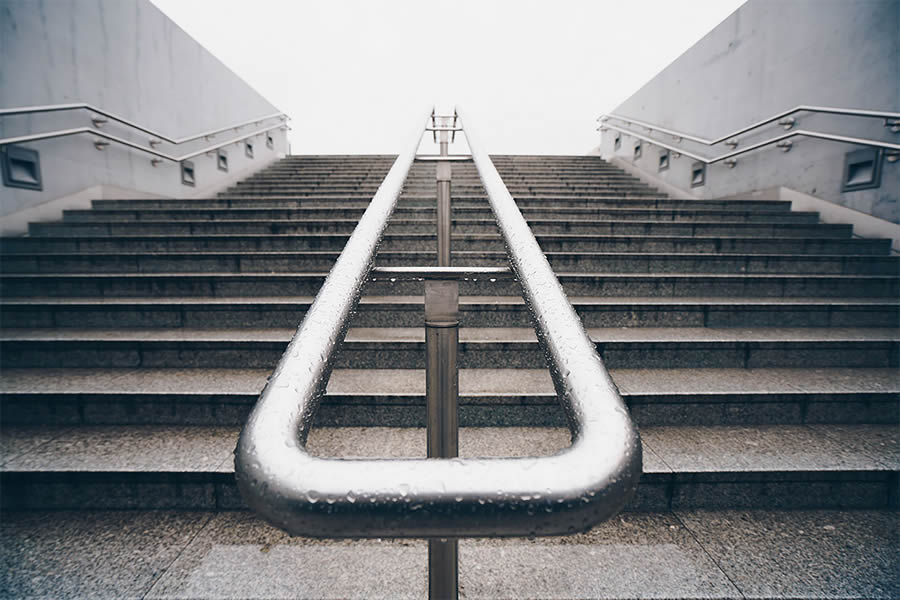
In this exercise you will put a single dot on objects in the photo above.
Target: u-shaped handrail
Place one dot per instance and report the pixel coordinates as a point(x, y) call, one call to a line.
point(334, 498)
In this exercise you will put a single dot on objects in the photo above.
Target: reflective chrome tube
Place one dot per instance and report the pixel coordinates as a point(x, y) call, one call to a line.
point(337, 498)
point(33, 137)
point(774, 140)
point(847, 112)
point(26, 110)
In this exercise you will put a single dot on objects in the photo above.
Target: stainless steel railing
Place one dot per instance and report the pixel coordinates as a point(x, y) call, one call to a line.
point(156, 139)
point(338, 498)
point(891, 119)
point(85, 106)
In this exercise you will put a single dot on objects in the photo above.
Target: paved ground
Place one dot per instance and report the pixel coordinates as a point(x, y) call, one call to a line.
point(701, 554)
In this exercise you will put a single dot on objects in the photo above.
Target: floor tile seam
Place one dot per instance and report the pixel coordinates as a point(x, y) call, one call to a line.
point(149, 591)
point(675, 514)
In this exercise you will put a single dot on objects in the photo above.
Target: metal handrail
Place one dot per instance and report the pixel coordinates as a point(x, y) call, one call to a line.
point(853, 112)
point(334, 498)
point(78, 130)
point(775, 140)
point(83, 105)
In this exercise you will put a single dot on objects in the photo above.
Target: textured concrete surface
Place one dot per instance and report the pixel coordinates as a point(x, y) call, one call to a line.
point(803, 554)
point(718, 449)
point(91, 555)
point(471, 381)
point(694, 554)
point(474, 334)
point(128, 449)
point(766, 448)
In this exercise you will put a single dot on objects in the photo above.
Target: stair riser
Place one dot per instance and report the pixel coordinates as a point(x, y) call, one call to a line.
point(285, 316)
point(262, 285)
point(481, 411)
point(487, 224)
point(658, 491)
point(304, 200)
point(71, 216)
point(199, 241)
point(411, 355)
point(418, 253)
point(731, 226)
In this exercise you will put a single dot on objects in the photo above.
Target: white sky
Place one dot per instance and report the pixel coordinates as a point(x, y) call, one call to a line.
point(355, 76)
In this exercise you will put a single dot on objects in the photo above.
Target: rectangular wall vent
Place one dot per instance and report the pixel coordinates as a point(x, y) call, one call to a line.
point(698, 174)
point(663, 160)
point(21, 168)
point(187, 173)
point(222, 160)
point(862, 170)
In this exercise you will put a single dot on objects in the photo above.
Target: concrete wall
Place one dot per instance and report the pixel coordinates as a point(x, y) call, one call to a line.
point(767, 57)
point(126, 57)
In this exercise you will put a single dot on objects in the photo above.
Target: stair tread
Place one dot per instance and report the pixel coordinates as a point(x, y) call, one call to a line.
point(678, 449)
point(470, 334)
point(472, 382)
point(559, 275)
point(463, 300)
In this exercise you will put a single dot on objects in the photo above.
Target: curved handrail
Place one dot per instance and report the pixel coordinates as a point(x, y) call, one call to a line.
point(332, 498)
point(775, 140)
point(83, 105)
point(853, 112)
point(67, 132)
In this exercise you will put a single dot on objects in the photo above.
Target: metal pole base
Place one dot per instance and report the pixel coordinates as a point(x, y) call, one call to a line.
point(443, 570)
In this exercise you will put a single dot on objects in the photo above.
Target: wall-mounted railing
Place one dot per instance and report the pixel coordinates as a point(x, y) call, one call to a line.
point(438, 497)
point(891, 120)
point(155, 139)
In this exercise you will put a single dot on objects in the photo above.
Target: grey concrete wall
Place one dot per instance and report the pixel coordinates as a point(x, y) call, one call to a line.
point(767, 57)
point(126, 57)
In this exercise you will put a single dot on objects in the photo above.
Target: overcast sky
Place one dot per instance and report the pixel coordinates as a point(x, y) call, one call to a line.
point(356, 75)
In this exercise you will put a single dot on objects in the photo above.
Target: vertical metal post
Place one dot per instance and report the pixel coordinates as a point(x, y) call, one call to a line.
point(442, 381)
point(444, 217)
point(442, 390)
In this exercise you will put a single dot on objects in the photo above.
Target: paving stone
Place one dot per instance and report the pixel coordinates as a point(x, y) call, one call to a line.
point(803, 554)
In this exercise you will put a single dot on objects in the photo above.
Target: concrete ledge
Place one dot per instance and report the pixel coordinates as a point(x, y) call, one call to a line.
point(16, 223)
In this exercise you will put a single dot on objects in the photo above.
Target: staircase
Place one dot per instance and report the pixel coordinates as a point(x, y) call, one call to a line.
point(757, 349)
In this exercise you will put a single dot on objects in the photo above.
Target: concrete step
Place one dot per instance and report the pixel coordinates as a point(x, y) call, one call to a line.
point(191, 236)
point(205, 555)
point(205, 214)
point(404, 348)
point(419, 249)
point(646, 227)
point(476, 221)
point(297, 200)
point(685, 468)
point(475, 311)
point(771, 229)
point(488, 397)
point(304, 283)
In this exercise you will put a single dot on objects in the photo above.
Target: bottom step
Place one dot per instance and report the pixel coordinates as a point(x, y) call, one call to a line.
point(685, 468)
point(682, 554)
